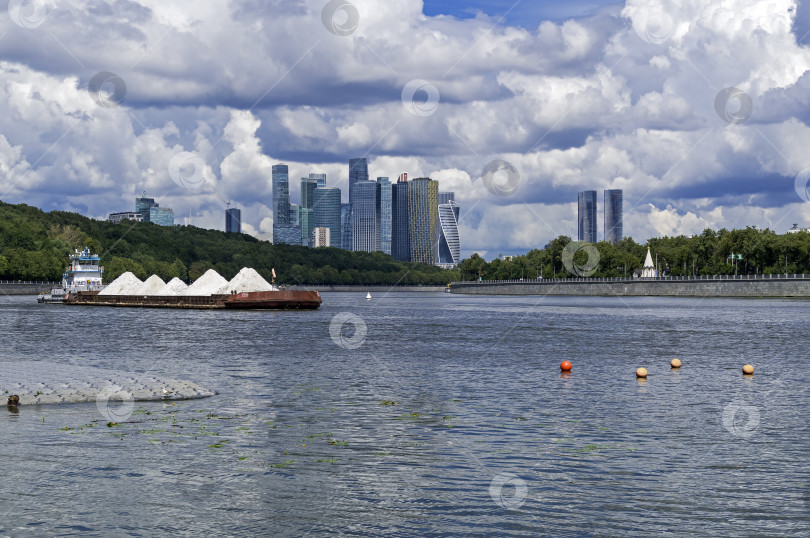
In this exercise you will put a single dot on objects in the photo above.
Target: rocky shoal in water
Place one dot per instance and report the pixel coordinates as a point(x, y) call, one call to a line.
point(41, 382)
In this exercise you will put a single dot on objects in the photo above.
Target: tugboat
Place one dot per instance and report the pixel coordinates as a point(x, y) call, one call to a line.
point(83, 274)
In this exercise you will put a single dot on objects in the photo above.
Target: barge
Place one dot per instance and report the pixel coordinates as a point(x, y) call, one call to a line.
point(255, 300)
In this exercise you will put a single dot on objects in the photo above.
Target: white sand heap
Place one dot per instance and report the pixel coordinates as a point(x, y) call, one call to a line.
point(248, 279)
point(123, 285)
point(150, 286)
point(173, 287)
point(208, 284)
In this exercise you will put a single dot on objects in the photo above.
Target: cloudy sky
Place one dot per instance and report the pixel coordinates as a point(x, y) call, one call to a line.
point(698, 109)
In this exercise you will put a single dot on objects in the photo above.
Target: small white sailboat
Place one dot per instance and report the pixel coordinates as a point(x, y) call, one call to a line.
point(368, 296)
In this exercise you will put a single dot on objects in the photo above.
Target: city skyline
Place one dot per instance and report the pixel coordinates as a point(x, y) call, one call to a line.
point(517, 109)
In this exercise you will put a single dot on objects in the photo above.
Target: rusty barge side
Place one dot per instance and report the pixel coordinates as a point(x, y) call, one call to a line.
point(257, 300)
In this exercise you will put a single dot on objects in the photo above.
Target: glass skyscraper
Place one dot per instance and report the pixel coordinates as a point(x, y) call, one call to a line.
point(233, 220)
point(449, 243)
point(346, 226)
point(587, 217)
point(320, 179)
point(385, 214)
point(281, 195)
point(446, 197)
point(327, 213)
point(400, 246)
point(284, 230)
point(308, 187)
point(366, 216)
point(358, 171)
point(423, 209)
point(614, 229)
point(306, 220)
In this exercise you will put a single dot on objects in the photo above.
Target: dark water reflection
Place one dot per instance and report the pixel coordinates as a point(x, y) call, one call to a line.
point(450, 416)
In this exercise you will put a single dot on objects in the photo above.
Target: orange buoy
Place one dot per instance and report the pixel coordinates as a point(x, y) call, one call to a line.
point(642, 373)
point(748, 369)
point(565, 366)
point(675, 363)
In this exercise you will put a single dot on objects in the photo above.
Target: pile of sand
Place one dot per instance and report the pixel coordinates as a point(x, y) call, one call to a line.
point(123, 285)
point(173, 287)
point(247, 279)
point(208, 284)
point(150, 286)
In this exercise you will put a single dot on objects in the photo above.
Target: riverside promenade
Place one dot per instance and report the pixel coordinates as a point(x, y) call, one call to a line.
point(41, 382)
point(782, 285)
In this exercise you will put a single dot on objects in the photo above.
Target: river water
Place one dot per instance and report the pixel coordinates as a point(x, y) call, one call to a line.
point(421, 413)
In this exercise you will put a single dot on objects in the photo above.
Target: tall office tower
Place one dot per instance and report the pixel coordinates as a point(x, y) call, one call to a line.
point(308, 187)
point(281, 195)
point(295, 220)
point(321, 237)
point(449, 243)
point(366, 216)
point(306, 217)
point(587, 216)
point(400, 246)
point(233, 220)
point(358, 171)
point(446, 197)
point(423, 217)
point(284, 230)
point(320, 178)
point(614, 229)
point(385, 214)
point(346, 226)
point(327, 212)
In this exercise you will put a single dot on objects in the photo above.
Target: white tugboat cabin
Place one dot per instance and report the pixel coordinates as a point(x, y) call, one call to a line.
point(83, 274)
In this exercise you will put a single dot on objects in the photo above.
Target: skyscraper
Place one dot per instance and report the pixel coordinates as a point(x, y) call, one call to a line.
point(308, 192)
point(423, 209)
point(306, 220)
point(366, 216)
point(345, 226)
point(327, 213)
point(233, 220)
point(281, 195)
point(400, 246)
point(320, 178)
point(385, 214)
point(358, 171)
point(284, 231)
point(446, 197)
point(295, 220)
point(587, 217)
point(449, 243)
point(614, 228)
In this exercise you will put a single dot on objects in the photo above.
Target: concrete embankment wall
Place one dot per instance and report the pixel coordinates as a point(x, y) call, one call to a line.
point(781, 287)
point(372, 289)
point(24, 288)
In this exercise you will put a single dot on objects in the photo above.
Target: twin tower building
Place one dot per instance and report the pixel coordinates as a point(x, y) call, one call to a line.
point(586, 220)
point(410, 220)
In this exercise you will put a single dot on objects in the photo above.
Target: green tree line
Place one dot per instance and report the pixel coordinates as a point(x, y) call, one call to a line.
point(755, 252)
point(34, 245)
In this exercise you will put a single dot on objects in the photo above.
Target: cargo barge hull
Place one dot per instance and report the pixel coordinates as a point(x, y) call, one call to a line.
point(258, 300)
